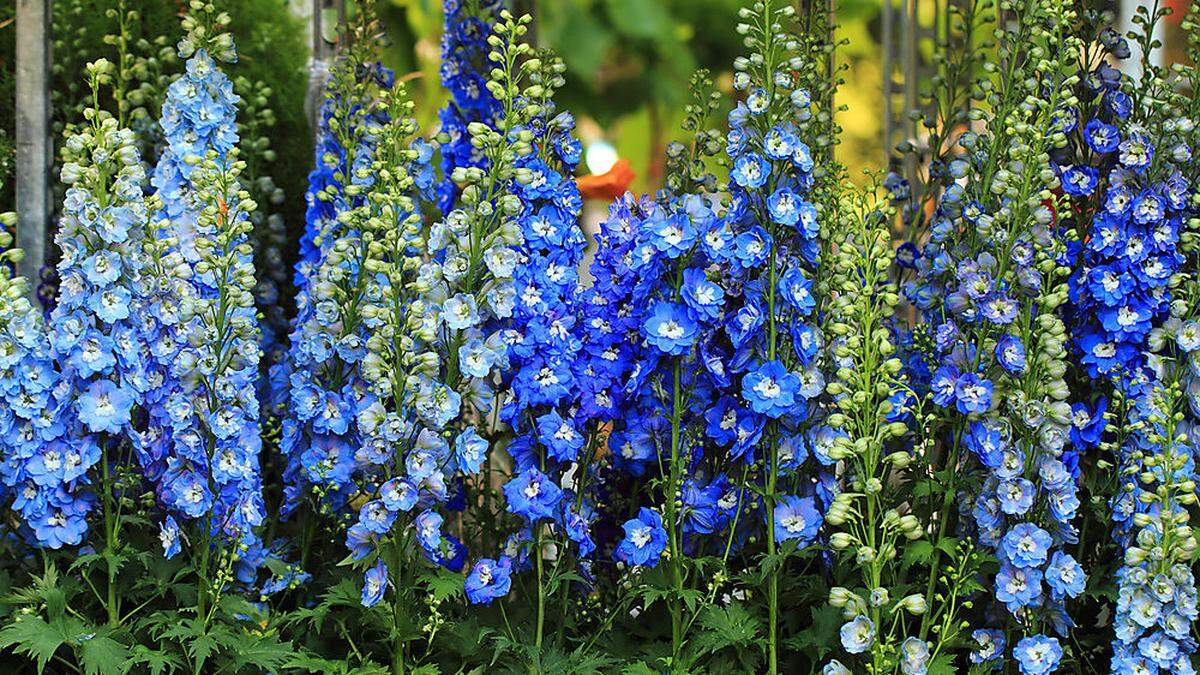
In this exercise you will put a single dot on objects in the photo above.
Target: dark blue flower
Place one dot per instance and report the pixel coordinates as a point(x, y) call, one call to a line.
point(532, 495)
point(375, 583)
point(645, 539)
point(489, 579)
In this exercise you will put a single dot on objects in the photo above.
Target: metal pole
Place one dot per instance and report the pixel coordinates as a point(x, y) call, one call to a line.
point(34, 146)
point(888, 83)
point(322, 53)
point(1132, 66)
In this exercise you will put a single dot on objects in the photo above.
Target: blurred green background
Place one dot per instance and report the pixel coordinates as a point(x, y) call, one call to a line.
point(628, 62)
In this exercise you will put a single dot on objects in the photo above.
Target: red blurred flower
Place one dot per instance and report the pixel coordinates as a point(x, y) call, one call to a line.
point(609, 185)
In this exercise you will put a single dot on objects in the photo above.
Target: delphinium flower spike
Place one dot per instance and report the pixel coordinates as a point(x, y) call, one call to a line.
point(776, 251)
point(875, 408)
point(327, 390)
point(653, 372)
point(1145, 238)
point(203, 440)
point(542, 338)
point(92, 373)
point(991, 289)
point(398, 480)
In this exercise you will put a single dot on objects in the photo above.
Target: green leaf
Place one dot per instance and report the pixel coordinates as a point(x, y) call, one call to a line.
point(443, 584)
point(101, 655)
point(821, 633)
point(260, 653)
point(33, 637)
point(156, 662)
point(919, 551)
point(725, 627)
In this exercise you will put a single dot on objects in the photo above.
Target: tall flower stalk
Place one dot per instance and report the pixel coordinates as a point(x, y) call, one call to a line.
point(201, 447)
point(325, 381)
point(874, 408)
point(992, 286)
point(777, 251)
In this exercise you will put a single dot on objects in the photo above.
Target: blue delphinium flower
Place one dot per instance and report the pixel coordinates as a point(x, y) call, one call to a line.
point(990, 647)
point(82, 373)
point(533, 495)
point(796, 518)
point(645, 539)
point(409, 450)
point(778, 234)
point(53, 515)
point(857, 635)
point(1038, 655)
point(1156, 594)
point(202, 443)
point(170, 537)
point(375, 583)
point(915, 655)
point(770, 389)
point(669, 329)
point(489, 579)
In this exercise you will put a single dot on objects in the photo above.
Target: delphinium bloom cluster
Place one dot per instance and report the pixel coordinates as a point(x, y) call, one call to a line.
point(56, 516)
point(82, 377)
point(1122, 288)
point(653, 308)
point(203, 441)
point(1132, 279)
point(873, 408)
point(777, 347)
point(656, 365)
point(403, 464)
point(327, 391)
point(992, 286)
point(465, 69)
point(549, 446)
point(511, 248)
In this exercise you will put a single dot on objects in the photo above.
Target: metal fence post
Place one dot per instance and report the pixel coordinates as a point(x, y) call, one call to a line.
point(322, 54)
point(34, 146)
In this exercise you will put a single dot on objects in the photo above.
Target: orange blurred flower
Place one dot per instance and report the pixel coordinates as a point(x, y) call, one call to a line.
point(609, 185)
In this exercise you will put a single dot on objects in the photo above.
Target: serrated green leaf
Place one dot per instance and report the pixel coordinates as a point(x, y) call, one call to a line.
point(156, 662)
point(821, 633)
point(443, 584)
point(919, 551)
point(101, 655)
point(33, 637)
point(257, 652)
point(725, 627)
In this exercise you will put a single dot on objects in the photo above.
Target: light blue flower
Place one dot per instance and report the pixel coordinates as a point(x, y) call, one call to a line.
point(858, 635)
